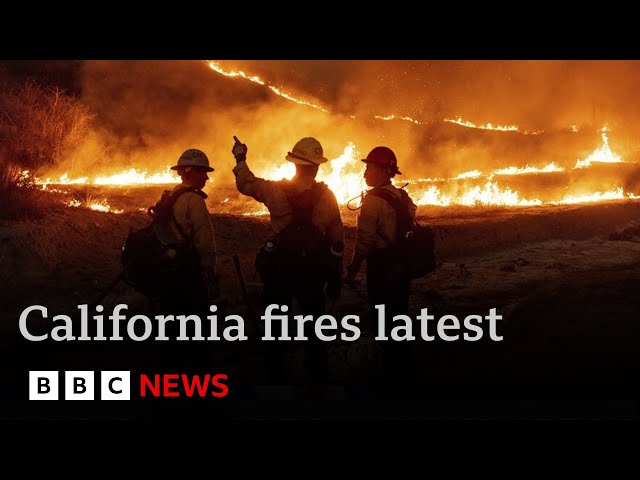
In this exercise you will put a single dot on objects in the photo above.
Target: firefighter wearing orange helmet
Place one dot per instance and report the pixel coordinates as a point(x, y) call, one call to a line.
point(387, 282)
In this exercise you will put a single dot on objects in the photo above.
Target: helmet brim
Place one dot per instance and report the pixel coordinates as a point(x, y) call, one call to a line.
point(396, 172)
point(303, 161)
point(206, 169)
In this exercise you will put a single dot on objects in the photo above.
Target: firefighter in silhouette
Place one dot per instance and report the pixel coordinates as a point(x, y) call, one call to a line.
point(302, 261)
point(387, 282)
point(192, 285)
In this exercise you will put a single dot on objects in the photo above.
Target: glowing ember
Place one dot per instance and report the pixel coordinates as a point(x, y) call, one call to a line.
point(602, 154)
point(98, 205)
point(257, 213)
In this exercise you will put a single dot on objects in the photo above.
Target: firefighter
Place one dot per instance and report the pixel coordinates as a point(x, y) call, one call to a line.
point(387, 282)
point(302, 261)
point(191, 222)
point(192, 286)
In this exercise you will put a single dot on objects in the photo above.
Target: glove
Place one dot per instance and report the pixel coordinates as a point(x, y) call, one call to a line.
point(239, 150)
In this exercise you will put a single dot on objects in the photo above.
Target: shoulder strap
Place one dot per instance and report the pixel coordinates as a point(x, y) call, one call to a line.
point(404, 221)
point(167, 201)
point(400, 205)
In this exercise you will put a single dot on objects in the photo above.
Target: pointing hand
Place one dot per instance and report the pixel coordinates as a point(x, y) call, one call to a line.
point(239, 150)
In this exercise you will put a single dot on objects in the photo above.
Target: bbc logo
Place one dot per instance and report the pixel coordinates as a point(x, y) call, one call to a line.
point(79, 385)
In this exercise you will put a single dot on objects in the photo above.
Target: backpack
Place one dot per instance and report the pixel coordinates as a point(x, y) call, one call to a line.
point(152, 267)
point(414, 248)
point(300, 251)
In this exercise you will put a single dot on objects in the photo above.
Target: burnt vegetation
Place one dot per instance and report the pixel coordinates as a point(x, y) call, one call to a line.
point(39, 125)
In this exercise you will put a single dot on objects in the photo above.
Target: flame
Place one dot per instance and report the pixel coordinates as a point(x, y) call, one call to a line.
point(216, 67)
point(615, 194)
point(470, 174)
point(398, 117)
point(136, 177)
point(132, 176)
point(552, 167)
point(488, 126)
point(344, 174)
point(602, 154)
point(255, 79)
point(99, 205)
point(490, 194)
point(432, 196)
point(62, 180)
point(345, 177)
point(257, 213)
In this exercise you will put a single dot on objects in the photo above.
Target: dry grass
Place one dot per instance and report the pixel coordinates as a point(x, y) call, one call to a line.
point(19, 197)
point(38, 127)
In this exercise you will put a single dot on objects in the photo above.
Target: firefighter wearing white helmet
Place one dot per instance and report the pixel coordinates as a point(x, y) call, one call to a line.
point(303, 259)
point(191, 225)
point(193, 158)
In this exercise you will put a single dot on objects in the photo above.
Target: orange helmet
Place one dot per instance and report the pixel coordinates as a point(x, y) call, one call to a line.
point(384, 157)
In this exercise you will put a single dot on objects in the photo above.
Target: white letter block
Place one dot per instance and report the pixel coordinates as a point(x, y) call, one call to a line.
point(78, 385)
point(43, 385)
point(115, 385)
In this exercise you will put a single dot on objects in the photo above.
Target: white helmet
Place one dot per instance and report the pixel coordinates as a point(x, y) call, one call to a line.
point(193, 158)
point(307, 151)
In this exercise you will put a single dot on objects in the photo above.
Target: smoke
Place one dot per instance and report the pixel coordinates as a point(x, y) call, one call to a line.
point(151, 111)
